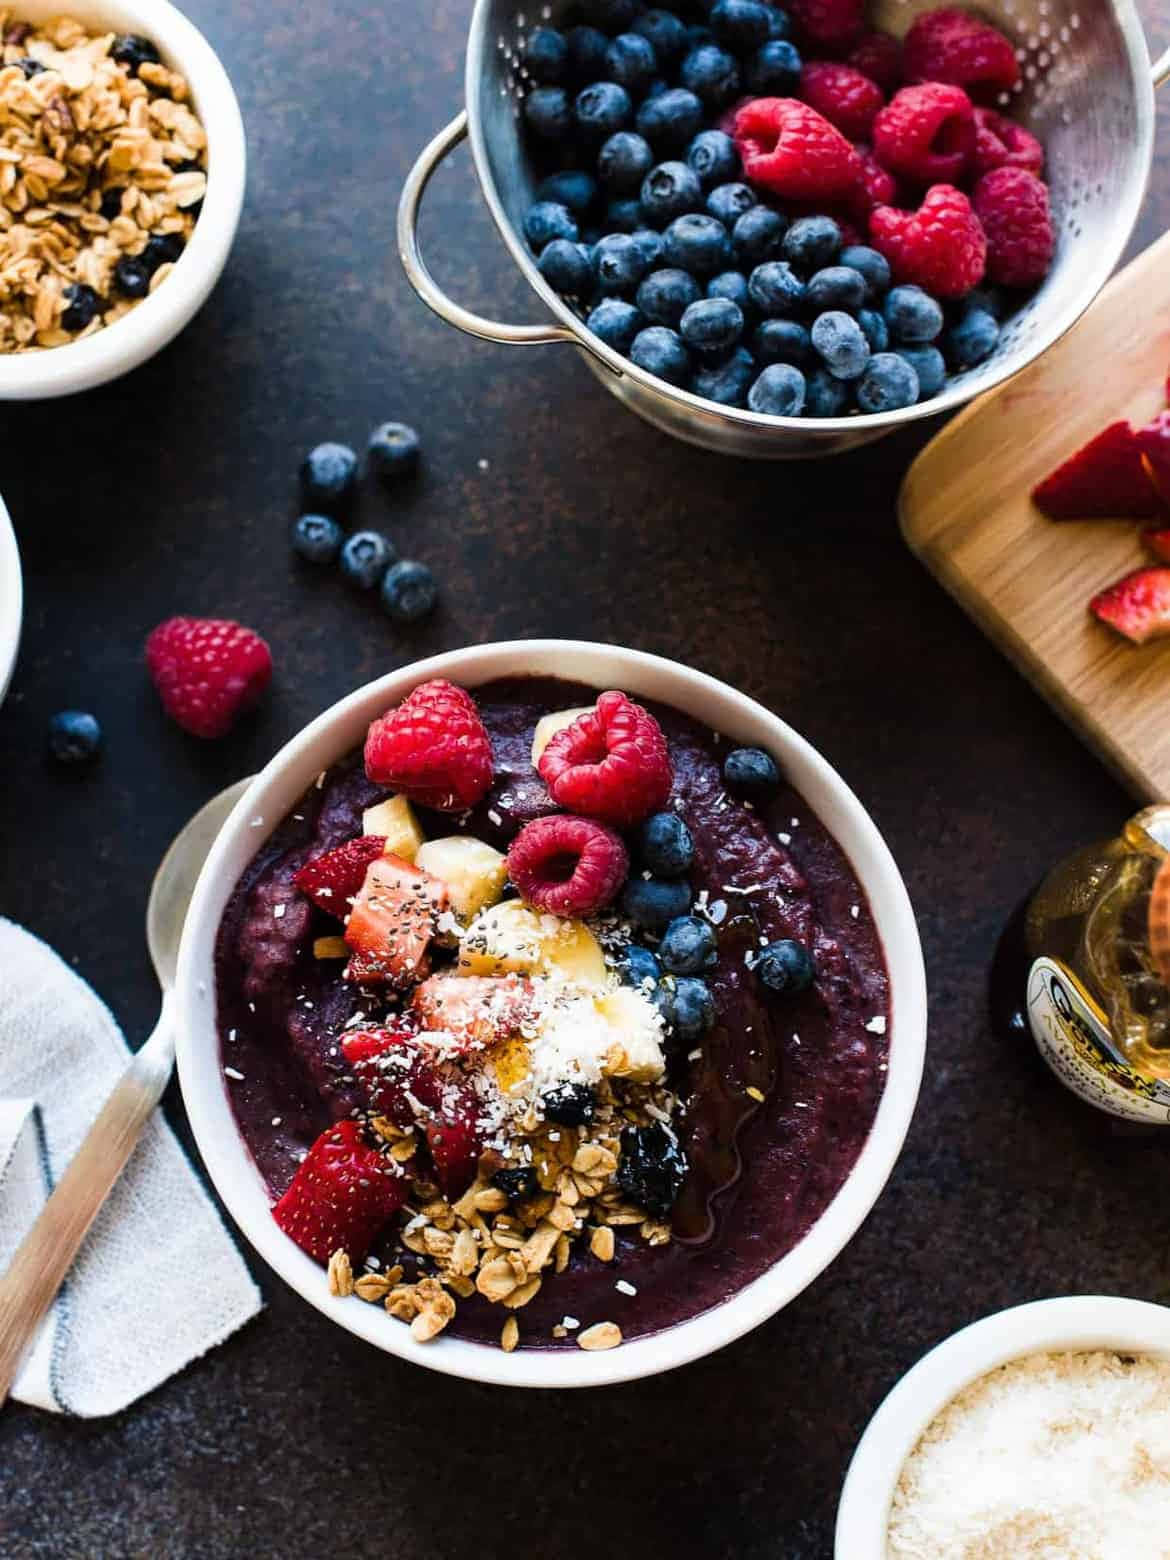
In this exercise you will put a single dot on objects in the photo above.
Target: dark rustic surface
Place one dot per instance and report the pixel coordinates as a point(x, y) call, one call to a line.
point(171, 491)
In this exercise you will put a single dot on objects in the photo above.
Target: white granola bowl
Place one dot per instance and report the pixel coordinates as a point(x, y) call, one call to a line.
point(339, 730)
point(1072, 1322)
point(11, 599)
point(116, 349)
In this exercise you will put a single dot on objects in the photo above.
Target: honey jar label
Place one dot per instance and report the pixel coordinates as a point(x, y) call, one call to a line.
point(1075, 1041)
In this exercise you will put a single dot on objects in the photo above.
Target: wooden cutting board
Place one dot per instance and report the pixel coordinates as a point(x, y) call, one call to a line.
point(965, 511)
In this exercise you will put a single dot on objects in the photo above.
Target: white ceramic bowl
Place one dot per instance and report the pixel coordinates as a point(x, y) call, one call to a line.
point(1045, 1326)
point(11, 600)
point(342, 728)
point(108, 353)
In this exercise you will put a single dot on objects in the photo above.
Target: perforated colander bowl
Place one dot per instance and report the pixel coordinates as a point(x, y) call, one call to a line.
point(1086, 91)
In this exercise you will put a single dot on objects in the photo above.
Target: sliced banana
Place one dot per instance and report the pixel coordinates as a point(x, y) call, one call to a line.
point(548, 726)
point(396, 820)
point(473, 871)
point(511, 937)
point(636, 1051)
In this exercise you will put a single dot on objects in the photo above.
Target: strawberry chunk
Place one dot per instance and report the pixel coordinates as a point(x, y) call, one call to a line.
point(455, 1139)
point(1157, 539)
point(790, 149)
point(389, 1066)
point(1105, 479)
point(568, 866)
point(611, 763)
point(342, 1194)
point(332, 880)
point(392, 923)
point(949, 45)
point(433, 748)
point(1154, 442)
point(476, 1011)
point(1137, 606)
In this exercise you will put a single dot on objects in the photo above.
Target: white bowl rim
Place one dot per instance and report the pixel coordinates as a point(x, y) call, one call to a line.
point(11, 599)
point(286, 777)
point(117, 348)
point(1062, 1324)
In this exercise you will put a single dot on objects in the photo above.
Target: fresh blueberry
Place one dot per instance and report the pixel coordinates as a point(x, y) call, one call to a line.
point(782, 341)
point(826, 397)
point(570, 1105)
point(987, 299)
point(840, 341)
point(876, 330)
point(546, 54)
point(973, 339)
point(698, 244)
point(656, 88)
point(111, 203)
point(751, 774)
point(548, 113)
point(651, 1168)
point(728, 202)
point(671, 120)
point(776, 288)
point(393, 450)
point(624, 215)
point(81, 306)
point(567, 268)
point(617, 263)
point(616, 323)
point(546, 221)
point(517, 1182)
point(365, 557)
point(653, 903)
point(74, 737)
point(317, 538)
point(666, 35)
point(887, 384)
point(638, 967)
point(131, 277)
point(740, 24)
point(624, 161)
point(812, 243)
point(836, 287)
point(712, 326)
point(687, 1007)
point(328, 477)
point(688, 946)
point(774, 69)
point(661, 352)
point(912, 315)
point(630, 61)
point(713, 156)
point(573, 188)
point(732, 285)
point(133, 51)
point(664, 296)
point(669, 191)
point(930, 366)
point(409, 591)
point(586, 46)
point(665, 845)
point(726, 383)
point(611, 15)
point(785, 966)
point(779, 25)
point(697, 32)
point(30, 67)
point(711, 74)
point(602, 109)
point(757, 236)
point(650, 244)
point(872, 265)
point(161, 249)
point(779, 391)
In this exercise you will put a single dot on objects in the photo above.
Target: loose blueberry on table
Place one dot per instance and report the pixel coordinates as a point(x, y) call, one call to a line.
point(785, 167)
point(549, 1017)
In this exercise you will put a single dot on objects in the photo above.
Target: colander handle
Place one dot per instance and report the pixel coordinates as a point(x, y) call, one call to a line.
point(1161, 69)
point(415, 267)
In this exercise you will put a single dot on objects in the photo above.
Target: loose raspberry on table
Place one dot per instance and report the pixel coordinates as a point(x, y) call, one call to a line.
point(207, 671)
point(433, 748)
point(843, 95)
point(1012, 205)
point(878, 55)
point(834, 24)
point(611, 763)
point(926, 133)
point(1002, 143)
point(949, 45)
point(567, 865)
point(790, 149)
point(940, 247)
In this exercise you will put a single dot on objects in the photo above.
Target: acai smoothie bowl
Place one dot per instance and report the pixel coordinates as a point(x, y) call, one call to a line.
point(550, 1014)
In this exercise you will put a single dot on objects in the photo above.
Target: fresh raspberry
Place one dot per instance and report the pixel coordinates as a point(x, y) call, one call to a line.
point(843, 95)
point(832, 23)
point(789, 148)
point(926, 134)
point(1012, 205)
point(566, 865)
point(1104, 478)
point(433, 748)
point(940, 247)
point(332, 880)
point(1001, 143)
point(207, 671)
point(611, 763)
point(876, 186)
point(949, 45)
point(878, 55)
point(341, 1196)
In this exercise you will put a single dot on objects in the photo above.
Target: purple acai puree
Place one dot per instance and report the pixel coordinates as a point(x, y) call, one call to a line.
point(761, 1173)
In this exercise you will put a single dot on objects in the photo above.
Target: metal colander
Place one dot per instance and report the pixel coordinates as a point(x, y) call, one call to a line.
point(1086, 91)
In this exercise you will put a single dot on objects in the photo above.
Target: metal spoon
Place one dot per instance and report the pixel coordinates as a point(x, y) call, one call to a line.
point(45, 1255)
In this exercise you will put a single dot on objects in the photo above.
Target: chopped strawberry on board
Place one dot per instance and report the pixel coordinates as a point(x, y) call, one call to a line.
point(342, 1194)
point(433, 748)
point(1157, 539)
point(333, 879)
point(1154, 443)
point(393, 919)
point(475, 1010)
point(1103, 479)
point(1137, 606)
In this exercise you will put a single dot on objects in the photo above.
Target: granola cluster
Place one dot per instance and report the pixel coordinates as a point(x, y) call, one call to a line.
point(102, 162)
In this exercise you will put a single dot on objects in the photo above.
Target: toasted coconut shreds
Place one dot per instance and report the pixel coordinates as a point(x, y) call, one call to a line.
point(78, 133)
